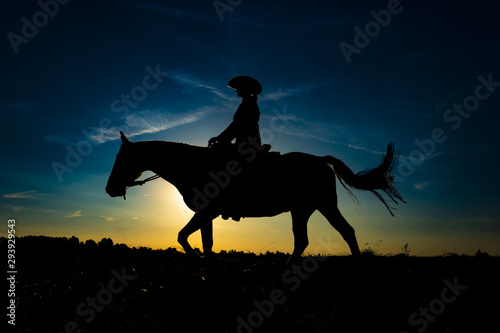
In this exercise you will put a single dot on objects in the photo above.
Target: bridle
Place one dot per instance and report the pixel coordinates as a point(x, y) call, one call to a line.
point(144, 181)
point(140, 183)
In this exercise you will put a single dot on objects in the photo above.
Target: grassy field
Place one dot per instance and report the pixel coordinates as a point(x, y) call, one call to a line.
point(64, 285)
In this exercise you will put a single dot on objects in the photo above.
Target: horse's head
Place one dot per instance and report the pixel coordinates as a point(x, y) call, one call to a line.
point(125, 170)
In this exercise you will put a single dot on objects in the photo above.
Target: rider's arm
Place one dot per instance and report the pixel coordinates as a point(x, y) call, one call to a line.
point(246, 116)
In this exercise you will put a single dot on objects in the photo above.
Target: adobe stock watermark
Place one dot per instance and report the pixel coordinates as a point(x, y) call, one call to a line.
point(373, 28)
point(292, 278)
point(30, 28)
point(222, 6)
point(247, 153)
point(420, 320)
point(88, 308)
point(122, 106)
point(454, 117)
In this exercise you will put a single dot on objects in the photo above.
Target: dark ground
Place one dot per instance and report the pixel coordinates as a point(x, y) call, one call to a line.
point(162, 291)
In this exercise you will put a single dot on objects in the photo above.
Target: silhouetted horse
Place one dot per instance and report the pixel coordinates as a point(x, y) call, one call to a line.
point(250, 185)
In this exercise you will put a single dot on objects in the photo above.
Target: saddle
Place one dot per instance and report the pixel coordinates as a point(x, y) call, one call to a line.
point(221, 153)
point(250, 163)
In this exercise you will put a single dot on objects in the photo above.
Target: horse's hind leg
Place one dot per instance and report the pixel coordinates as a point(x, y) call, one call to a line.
point(337, 221)
point(299, 227)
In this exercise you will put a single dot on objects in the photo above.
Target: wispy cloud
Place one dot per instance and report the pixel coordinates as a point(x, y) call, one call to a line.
point(324, 132)
point(333, 141)
point(22, 108)
point(421, 186)
point(186, 79)
point(421, 158)
point(275, 95)
point(24, 195)
point(279, 93)
point(58, 139)
point(15, 209)
point(108, 218)
point(78, 213)
point(447, 102)
point(147, 121)
point(359, 147)
point(267, 95)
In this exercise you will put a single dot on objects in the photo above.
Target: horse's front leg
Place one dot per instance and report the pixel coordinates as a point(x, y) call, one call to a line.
point(299, 227)
point(208, 241)
point(207, 238)
point(193, 225)
point(198, 221)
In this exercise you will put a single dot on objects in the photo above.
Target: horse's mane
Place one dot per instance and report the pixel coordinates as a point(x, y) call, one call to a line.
point(167, 144)
point(173, 148)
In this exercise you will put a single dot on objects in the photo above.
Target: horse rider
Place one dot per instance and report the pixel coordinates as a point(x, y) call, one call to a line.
point(244, 128)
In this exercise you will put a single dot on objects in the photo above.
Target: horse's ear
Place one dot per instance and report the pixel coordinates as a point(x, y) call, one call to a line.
point(125, 141)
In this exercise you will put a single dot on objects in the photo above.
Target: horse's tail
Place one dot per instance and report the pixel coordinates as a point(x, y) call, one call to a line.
point(379, 178)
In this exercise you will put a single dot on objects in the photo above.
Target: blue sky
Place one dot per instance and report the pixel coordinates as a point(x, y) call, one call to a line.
point(65, 87)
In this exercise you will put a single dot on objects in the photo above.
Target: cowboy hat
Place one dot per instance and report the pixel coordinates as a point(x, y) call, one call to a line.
point(245, 83)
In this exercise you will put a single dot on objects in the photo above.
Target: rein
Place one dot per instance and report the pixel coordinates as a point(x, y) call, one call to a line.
point(140, 182)
point(144, 181)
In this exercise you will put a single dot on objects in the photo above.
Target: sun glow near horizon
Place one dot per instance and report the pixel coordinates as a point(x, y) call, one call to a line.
point(153, 215)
